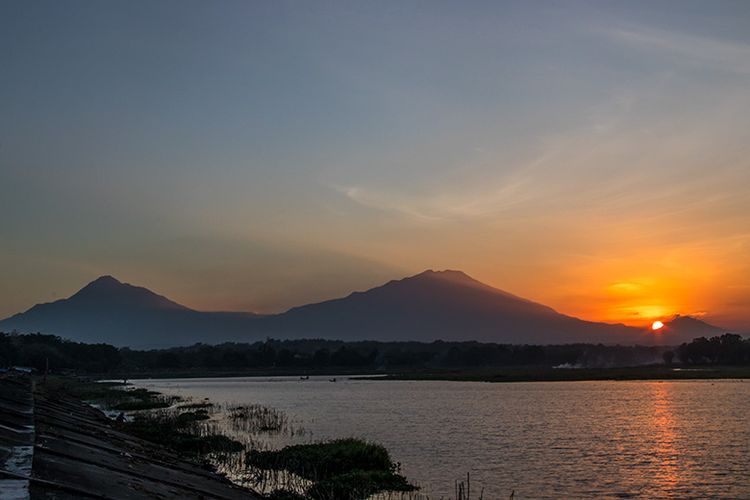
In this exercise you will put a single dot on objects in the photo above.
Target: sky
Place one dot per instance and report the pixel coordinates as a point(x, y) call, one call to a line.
point(242, 155)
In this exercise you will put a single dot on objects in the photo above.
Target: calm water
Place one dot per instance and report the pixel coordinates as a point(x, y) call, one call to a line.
point(681, 439)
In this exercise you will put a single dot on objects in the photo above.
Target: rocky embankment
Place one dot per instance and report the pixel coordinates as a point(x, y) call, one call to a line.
point(54, 446)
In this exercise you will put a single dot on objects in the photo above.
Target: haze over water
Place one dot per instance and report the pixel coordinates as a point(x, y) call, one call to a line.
point(645, 439)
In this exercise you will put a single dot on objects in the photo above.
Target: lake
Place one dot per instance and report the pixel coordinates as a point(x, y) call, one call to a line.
point(644, 439)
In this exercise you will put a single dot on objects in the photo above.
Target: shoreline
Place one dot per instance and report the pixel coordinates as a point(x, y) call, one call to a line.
point(645, 373)
point(189, 428)
point(489, 374)
point(78, 452)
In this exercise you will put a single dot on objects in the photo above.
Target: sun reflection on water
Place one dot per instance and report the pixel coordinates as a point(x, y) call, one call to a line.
point(663, 428)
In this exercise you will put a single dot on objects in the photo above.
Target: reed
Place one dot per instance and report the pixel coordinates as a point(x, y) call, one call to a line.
point(257, 418)
point(343, 469)
point(182, 431)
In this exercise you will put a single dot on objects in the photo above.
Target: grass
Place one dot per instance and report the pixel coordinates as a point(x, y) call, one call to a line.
point(139, 404)
point(182, 433)
point(343, 469)
point(86, 389)
point(358, 484)
point(205, 405)
point(257, 418)
point(155, 417)
point(111, 395)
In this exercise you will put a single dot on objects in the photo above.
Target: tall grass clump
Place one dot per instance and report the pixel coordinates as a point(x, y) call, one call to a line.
point(183, 432)
point(257, 418)
point(343, 469)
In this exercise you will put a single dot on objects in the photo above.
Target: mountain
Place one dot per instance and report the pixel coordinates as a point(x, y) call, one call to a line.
point(107, 310)
point(106, 291)
point(433, 305)
point(447, 305)
point(690, 328)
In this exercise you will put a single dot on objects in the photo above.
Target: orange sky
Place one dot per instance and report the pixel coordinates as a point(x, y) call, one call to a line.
point(594, 157)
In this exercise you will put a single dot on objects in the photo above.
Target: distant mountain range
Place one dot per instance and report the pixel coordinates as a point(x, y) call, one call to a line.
point(442, 305)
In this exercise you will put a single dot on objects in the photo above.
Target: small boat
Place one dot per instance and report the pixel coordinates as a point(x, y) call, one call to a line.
point(332, 380)
point(306, 377)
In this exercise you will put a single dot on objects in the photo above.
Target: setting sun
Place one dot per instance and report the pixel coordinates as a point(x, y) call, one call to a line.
point(657, 325)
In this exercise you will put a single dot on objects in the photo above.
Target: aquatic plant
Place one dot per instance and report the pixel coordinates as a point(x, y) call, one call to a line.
point(205, 405)
point(463, 490)
point(147, 403)
point(343, 469)
point(357, 485)
point(257, 418)
point(283, 494)
point(181, 432)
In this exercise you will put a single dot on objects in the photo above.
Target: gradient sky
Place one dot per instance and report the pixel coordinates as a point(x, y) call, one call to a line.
point(593, 156)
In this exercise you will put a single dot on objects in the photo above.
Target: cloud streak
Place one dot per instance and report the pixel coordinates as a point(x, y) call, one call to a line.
point(702, 51)
point(444, 206)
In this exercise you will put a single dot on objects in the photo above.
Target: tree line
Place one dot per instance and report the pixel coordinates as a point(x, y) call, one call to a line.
point(40, 351)
point(727, 349)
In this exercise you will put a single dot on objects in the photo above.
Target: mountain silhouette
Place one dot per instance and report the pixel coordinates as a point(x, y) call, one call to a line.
point(106, 291)
point(445, 305)
point(688, 326)
point(433, 305)
point(107, 310)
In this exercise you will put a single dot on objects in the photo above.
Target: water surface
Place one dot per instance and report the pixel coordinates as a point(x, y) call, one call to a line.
point(642, 439)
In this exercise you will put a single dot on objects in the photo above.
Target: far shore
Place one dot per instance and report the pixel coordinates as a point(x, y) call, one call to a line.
point(651, 372)
point(488, 374)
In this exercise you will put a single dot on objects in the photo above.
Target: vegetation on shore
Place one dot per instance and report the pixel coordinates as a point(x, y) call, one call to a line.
point(182, 432)
point(342, 469)
point(315, 356)
point(152, 416)
point(534, 374)
point(726, 356)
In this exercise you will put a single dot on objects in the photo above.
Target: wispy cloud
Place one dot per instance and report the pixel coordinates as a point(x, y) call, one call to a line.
point(624, 161)
point(467, 202)
point(388, 202)
point(714, 53)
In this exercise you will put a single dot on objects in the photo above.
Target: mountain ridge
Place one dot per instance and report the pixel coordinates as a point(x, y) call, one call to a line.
point(431, 305)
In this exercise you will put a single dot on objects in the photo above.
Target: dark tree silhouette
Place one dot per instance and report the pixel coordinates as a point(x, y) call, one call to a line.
point(668, 356)
point(36, 350)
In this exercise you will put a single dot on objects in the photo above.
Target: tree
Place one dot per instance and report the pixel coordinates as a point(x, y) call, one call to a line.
point(668, 356)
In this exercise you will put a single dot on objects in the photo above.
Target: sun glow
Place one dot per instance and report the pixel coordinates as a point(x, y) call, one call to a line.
point(657, 325)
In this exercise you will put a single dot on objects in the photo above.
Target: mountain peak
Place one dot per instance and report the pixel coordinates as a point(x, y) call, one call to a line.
point(445, 274)
point(102, 285)
point(111, 291)
point(104, 281)
point(106, 278)
point(693, 324)
point(454, 277)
